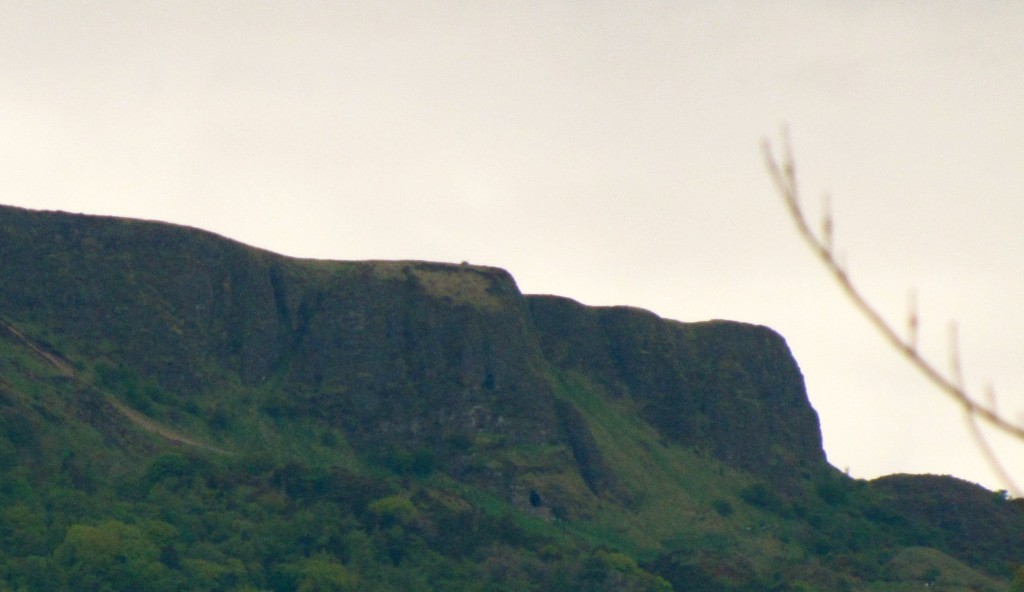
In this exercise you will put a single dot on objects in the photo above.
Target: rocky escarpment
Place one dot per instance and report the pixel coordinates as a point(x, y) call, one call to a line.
point(728, 388)
point(402, 351)
point(434, 356)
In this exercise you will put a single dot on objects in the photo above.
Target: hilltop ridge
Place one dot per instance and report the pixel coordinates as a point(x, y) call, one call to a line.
point(420, 351)
point(153, 375)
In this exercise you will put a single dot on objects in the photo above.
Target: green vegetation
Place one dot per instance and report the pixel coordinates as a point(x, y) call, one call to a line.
point(181, 413)
point(166, 517)
point(150, 515)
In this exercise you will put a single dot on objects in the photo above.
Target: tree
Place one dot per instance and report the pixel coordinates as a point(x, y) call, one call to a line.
point(111, 555)
point(783, 174)
point(323, 573)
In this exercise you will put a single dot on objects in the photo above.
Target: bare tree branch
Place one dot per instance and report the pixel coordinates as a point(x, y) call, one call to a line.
point(783, 175)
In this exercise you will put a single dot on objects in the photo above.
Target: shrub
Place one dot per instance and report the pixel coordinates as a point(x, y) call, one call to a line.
point(393, 509)
point(404, 462)
point(759, 495)
point(170, 465)
point(723, 507)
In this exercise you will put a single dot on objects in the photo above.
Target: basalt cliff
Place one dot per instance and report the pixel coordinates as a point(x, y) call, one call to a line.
point(452, 431)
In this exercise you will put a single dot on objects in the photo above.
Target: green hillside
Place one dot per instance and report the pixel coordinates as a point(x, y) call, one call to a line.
point(183, 412)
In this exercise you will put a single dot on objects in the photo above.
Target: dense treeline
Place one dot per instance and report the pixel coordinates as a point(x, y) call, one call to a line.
point(188, 524)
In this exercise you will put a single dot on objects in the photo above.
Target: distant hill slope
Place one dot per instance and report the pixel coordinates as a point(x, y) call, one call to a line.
point(140, 357)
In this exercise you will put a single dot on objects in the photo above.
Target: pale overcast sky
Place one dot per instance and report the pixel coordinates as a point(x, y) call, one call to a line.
point(604, 151)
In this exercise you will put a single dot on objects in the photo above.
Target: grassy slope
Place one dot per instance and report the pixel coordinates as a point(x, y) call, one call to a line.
point(678, 491)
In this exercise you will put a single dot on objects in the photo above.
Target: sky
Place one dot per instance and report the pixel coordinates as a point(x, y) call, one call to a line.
point(609, 152)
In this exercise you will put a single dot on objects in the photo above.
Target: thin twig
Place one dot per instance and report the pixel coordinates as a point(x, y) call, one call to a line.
point(784, 176)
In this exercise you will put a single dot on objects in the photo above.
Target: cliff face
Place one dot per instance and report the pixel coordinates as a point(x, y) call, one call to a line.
point(432, 355)
point(429, 355)
point(729, 388)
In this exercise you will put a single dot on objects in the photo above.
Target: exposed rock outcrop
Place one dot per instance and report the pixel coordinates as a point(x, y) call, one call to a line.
point(422, 353)
point(729, 388)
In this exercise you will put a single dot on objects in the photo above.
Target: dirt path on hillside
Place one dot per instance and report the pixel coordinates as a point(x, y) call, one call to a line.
point(55, 360)
point(153, 427)
point(62, 365)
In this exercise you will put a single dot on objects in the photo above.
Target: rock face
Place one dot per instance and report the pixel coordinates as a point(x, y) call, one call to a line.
point(427, 354)
point(729, 388)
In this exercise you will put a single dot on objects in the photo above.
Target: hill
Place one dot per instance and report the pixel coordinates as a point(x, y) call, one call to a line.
point(184, 412)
